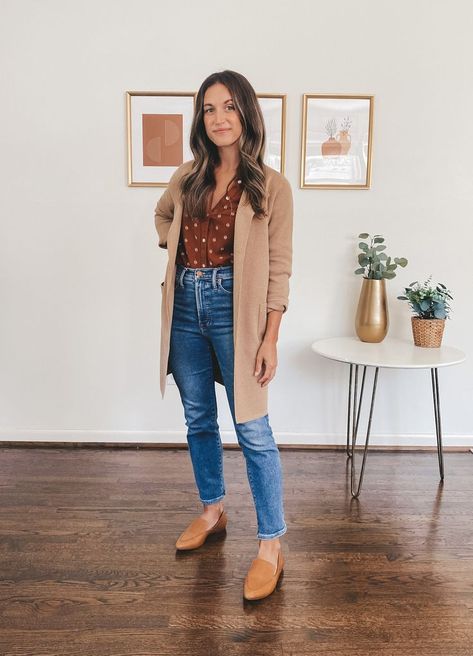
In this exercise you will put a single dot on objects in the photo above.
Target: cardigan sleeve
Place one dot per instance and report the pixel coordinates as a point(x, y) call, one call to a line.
point(280, 226)
point(164, 210)
point(163, 216)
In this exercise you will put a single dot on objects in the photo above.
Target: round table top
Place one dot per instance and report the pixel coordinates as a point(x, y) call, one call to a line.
point(391, 352)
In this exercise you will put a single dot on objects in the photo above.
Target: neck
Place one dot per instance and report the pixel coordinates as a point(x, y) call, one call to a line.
point(229, 158)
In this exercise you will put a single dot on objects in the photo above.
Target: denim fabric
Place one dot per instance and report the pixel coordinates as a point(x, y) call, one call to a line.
point(203, 319)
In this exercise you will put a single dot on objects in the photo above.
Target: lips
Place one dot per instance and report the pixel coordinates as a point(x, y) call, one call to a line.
point(225, 130)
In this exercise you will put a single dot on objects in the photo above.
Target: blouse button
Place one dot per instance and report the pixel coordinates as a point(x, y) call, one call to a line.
point(227, 197)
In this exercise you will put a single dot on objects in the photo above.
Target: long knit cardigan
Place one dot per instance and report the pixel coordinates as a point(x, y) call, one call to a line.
point(262, 266)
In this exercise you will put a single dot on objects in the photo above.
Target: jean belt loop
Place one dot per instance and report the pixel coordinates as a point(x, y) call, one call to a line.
point(214, 278)
point(181, 277)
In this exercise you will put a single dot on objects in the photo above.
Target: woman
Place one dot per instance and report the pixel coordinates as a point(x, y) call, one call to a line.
point(226, 220)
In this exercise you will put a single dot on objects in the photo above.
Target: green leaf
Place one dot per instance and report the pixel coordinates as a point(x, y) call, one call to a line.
point(359, 271)
point(363, 235)
point(403, 298)
point(381, 247)
point(378, 240)
point(363, 246)
point(402, 262)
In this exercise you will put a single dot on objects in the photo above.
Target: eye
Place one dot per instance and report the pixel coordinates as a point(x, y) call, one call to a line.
point(230, 107)
point(207, 110)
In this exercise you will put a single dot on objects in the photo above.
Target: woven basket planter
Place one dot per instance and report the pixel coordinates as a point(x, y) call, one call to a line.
point(427, 332)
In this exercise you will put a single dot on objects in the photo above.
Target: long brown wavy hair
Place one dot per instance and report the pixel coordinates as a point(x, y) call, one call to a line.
point(200, 181)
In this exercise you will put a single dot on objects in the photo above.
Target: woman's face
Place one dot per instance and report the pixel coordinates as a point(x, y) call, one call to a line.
point(221, 119)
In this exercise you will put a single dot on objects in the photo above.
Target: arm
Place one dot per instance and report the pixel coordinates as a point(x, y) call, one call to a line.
point(163, 216)
point(280, 269)
point(280, 248)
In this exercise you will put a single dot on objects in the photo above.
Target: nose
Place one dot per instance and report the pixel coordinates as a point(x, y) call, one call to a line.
point(220, 117)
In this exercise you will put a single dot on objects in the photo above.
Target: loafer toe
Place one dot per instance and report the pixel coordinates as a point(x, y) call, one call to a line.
point(261, 579)
point(198, 531)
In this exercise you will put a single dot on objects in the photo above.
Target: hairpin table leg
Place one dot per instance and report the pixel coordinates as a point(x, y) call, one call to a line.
point(354, 411)
point(438, 423)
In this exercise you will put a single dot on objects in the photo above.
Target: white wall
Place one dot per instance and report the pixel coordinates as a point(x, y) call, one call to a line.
point(80, 266)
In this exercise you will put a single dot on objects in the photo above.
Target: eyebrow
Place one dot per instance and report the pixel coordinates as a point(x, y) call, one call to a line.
point(229, 100)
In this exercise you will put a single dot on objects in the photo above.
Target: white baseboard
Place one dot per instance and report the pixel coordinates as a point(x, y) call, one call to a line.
point(228, 437)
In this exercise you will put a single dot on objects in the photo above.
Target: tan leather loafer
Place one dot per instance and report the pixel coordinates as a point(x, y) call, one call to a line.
point(261, 579)
point(197, 532)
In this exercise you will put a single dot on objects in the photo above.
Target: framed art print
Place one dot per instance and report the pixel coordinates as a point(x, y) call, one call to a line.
point(158, 131)
point(273, 107)
point(337, 135)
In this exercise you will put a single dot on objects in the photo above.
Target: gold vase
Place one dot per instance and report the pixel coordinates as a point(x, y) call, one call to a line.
point(372, 319)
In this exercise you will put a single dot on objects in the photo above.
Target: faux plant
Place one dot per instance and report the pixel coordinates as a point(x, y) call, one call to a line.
point(374, 263)
point(427, 301)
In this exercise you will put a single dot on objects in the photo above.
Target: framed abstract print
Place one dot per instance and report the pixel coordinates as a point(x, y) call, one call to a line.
point(273, 107)
point(158, 131)
point(337, 134)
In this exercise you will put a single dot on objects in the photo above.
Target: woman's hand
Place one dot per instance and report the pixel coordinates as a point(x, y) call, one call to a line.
point(266, 362)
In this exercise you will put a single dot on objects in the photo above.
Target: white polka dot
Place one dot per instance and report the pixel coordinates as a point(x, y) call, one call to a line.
point(221, 257)
point(182, 253)
point(210, 250)
point(195, 236)
point(188, 263)
point(239, 181)
point(213, 239)
point(195, 225)
point(203, 238)
point(187, 227)
point(221, 248)
point(195, 261)
point(196, 249)
point(228, 225)
point(232, 213)
point(216, 227)
point(219, 216)
point(225, 237)
point(225, 207)
point(185, 239)
point(210, 262)
point(227, 197)
point(203, 265)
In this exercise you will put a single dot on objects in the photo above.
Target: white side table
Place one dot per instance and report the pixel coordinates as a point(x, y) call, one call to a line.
point(390, 353)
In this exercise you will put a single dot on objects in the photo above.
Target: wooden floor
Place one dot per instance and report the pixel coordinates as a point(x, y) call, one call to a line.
point(88, 565)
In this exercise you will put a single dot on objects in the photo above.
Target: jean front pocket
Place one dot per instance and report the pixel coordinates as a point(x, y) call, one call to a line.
point(225, 285)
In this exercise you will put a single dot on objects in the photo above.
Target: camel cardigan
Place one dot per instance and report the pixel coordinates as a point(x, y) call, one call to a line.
point(262, 267)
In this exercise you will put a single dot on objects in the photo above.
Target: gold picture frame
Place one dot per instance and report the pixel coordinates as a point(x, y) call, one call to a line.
point(273, 106)
point(343, 160)
point(158, 130)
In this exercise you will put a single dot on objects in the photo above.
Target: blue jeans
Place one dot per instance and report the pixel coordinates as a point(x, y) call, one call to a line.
point(203, 319)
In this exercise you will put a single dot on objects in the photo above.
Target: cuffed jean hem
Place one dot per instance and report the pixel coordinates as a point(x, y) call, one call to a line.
point(262, 536)
point(208, 502)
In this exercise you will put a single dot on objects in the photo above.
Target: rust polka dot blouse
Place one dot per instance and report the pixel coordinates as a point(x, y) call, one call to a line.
point(209, 242)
